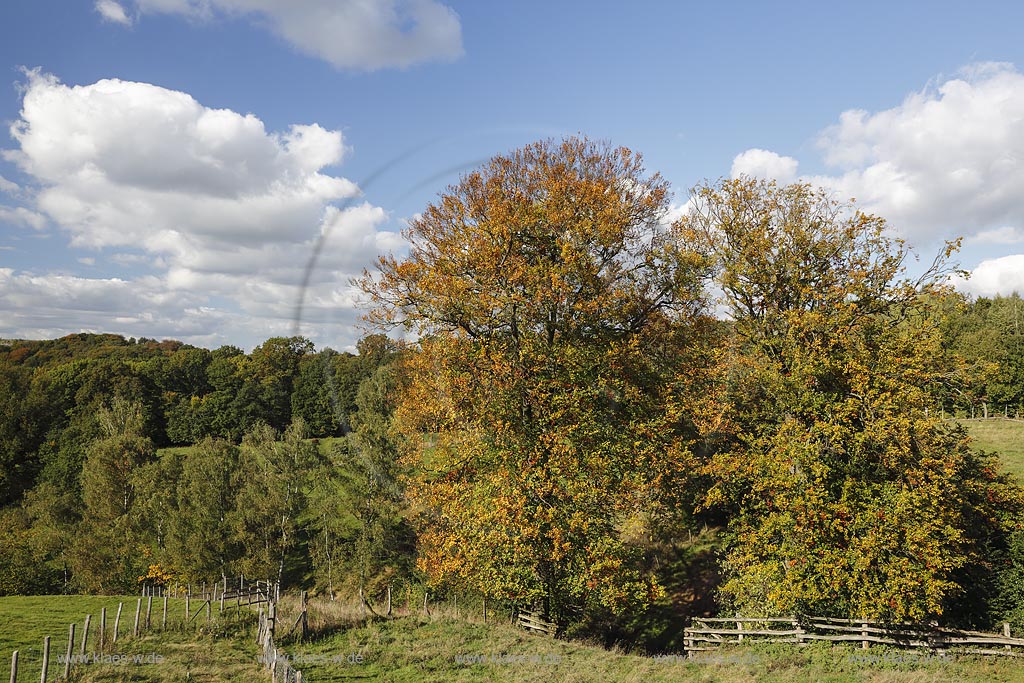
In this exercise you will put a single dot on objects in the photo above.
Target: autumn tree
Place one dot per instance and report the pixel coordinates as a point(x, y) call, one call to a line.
point(552, 303)
point(847, 497)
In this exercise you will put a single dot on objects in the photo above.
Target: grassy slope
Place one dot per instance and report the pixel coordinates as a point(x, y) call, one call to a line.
point(418, 649)
point(325, 445)
point(1002, 436)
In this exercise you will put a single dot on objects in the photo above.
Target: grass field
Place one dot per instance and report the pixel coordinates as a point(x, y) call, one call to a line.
point(414, 648)
point(1002, 436)
point(220, 651)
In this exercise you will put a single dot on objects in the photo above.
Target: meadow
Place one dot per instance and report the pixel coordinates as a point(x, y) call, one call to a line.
point(1003, 436)
point(445, 646)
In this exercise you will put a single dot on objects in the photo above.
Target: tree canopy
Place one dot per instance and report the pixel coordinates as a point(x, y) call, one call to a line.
point(553, 303)
point(848, 497)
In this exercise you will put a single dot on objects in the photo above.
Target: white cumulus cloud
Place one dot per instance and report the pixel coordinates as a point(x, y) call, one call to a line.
point(349, 34)
point(992, 277)
point(221, 214)
point(761, 163)
point(946, 162)
point(125, 163)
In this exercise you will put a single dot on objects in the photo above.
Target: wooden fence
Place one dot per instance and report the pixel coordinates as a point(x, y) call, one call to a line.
point(706, 634)
point(275, 661)
point(532, 621)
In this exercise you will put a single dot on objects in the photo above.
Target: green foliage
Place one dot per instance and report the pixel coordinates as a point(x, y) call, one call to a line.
point(108, 551)
point(847, 498)
point(381, 545)
point(1008, 601)
point(315, 398)
point(987, 335)
point(270, 485)
point(21, 572)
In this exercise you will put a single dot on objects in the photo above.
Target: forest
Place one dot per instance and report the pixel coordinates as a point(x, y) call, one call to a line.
point(612, 416)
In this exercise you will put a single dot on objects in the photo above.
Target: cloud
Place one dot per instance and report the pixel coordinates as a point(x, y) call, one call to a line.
point(113, 12)
point(8, 187)
point(222, 213)
point(1004, 275)
point(60, 301)
point(947, 161)
point(1005, 235)
point(125, 163)
point(19, 215)
point(760, 163)
point(349, 34)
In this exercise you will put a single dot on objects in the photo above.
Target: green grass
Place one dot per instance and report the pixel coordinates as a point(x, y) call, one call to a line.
point(1002, 436)
point(417, 649)
point(443, 647)
point(221, 650)
point(178, 450)
point(325, 445)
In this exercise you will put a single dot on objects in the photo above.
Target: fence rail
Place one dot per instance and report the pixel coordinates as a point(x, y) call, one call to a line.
point(532, 621)
point(706, 634)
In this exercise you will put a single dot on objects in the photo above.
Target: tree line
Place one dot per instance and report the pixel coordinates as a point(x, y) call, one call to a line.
point(594, 383)
point(289, 486)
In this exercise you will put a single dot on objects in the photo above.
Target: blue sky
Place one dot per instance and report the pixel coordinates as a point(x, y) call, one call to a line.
point(168, 165)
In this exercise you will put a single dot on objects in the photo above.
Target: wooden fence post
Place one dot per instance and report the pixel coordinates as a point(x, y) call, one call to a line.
point(14, 667)
point(864, 634)
point(149, 610)
point(117, 620)
point(103, 627)
point(163, 620)
point(305, 624)
point(485, 609)
point(389, 600)
point(138, 613)
point(425, 594)
point(46, 659)
point(71, 645)
point(188, 598)
point(85, 635)
point(1006, 632)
